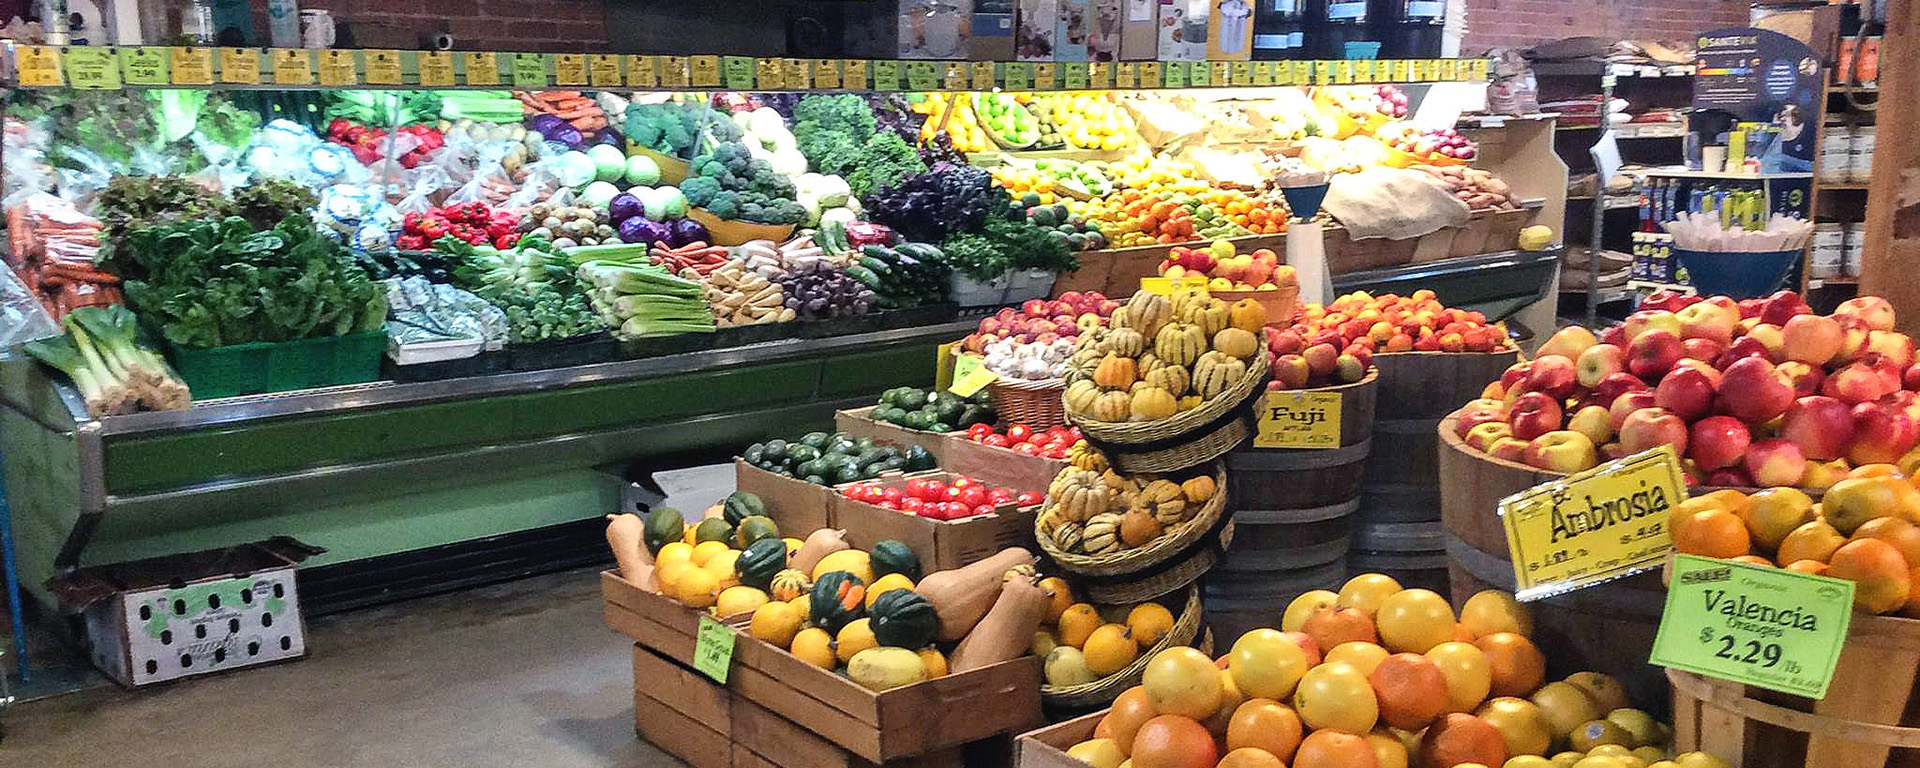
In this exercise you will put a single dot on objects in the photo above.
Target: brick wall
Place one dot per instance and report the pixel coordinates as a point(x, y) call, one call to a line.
point(1493, 23)
point(500, 25)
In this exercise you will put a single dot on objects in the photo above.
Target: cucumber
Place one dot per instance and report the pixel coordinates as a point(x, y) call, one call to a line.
point(879, 267)
point(865, 276)
point(921, 251)
point(832, 238)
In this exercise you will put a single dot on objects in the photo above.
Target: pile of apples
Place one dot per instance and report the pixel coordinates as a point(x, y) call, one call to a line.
point(1362, 101)
point(1039, 321)
point(1336, 343)
point(1225, 268)
point(1761, 392)
point(1445, 143)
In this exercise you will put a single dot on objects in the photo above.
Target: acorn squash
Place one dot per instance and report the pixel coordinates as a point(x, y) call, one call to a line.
point(903, 619)
point(788, 584)
point(837, 598)
point(741, 505)
point(890, 556)
point(760, 562)
point(753, 529)
point(664, 526)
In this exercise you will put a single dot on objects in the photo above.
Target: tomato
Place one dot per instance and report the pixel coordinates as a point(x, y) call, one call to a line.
point(978, 431)
point(973, 495)
point(951, 493)
point(1056, 453)
point(917, 487)
point(962, 481)
point(1019, 433)
point(1000, 495)
point(1028, 448)
point(1056, 432)
point(982, 509)
point(893, 504)
point(1028, 498)
point(934, 491)
point(1074, 432)
point(997, 441)
point(893, 494)
point(912, 504)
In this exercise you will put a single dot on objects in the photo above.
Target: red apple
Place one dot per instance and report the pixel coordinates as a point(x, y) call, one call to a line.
point(1034, 308)
point(1599, 362)
point(1652, 354)
point(1593, 421)
point(1750, 308)
point(1567, 342)
point(1685, 391)
point(1650, 320)
point(1882, 433)
point(1702, 349)
point(1465, 419)
point(1626, 404)
point(1707, 320)
point(1562, 451)
point(1718, 441)
point(1895, 346)
point(1552, 374)
point(1287, 342)
point(1728, 477)
point(1743, 347)
point(1321, 359)
point(1614, 385)
point(1515, 373)
point(1775, 461)
point(1911, 379)
point(1534, 414)
point(1509, 449)
point(1483, 436)
point(1754, 390)
point(1782, 306)
point(1616, 335)
point(1861, 381)
point(1853, 340)
point(1806, 379)
point(1820, 426)
point(1875, 311)
point(1811, 339)
point(1772, 337)
point(1649, 428)
point(1291, 371)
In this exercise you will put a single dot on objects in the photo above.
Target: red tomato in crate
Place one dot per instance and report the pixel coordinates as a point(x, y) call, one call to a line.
point(893, 494)
point(1029, 498)
point(961, 481)
point(997, 441)
point(973, 495)
point(917, 487)
point(1019, 433)
point(893, 504)
point(983, 509)
point(951, 493)
point(1028, 448)
point(1057, 453)
point(978, 431)
point(912, 504)
point(1000, 495)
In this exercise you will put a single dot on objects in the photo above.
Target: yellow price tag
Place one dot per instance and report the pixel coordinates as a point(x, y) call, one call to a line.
point(529, 70)
point(383, 67)
point(1240, 72)
point(1045, 76)
point(676, 72)
point(570, 69)
point(826, 73)
point(240, 66)
point(436, 69)
point(1299, 419)
point(1222, 72)
point(1099, 75)
point(144, 65)
point(1365, 71)
point(483, 68)
point(292, 66)
point(1074, 75)
point(1322, 73)
point(799, 74)
point(1477, 69)
point(1402, 70)
point(1343, 72)
point(603, 70)
point(93, 68)
point(1199, 74)
point(706, 71)
point(1149, 75)
point(1593, 526)
point(943, 362)
point(954, 76)
point(1450, 69)
point(983, 76)
point(39, 65)
point(1283, 73)
point(970, 375)
point(1165, 286)
point(191, 66)
point(853, 74)
point(337, 68)
point(1125, 74)
point(642, 72)
point(1304, 71)
point(768, 75)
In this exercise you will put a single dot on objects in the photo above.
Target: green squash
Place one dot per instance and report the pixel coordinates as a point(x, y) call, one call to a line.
point(664, 526)
point(902, 619)
point(712, 529)
point(754, 529)
point(889, 556)
point(741, 505)
point(837, 598)
point(760, 562)
point(918, 459)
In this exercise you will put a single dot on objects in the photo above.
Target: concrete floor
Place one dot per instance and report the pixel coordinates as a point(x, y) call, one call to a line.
point(513, 675)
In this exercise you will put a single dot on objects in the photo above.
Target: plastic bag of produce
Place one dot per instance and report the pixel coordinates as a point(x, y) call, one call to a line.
point(490, 186)
point(1392, 203)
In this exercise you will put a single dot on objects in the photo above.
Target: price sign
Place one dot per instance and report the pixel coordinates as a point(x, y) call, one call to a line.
point(1402, 71)
point(1477, 69)
point(1769, 627)
point(1099, 75)
point(1263, 73)
point(603, 70)
point(1173, 74)
point(826, 73)
point(39, 65)
point(570, 69)
point(483, 68)
point(1199, 75)
point(1283, 72)
point(705, 71)
point(1046, 77)
point(529, 70)
point(383, 67)
point(955, 76)
point(1074, 76)
point(983, 76)
point(1449, 69)
point(1298, 420)
point(943, 363)
point(643, 71)
point(1150, 75)
point(970, 375)
point(191, 66)
point(769, 74)
point(1593, 526)
point(436, 68)
point(1363, 71)
point(144, 65)
point(737, 72)
point(1303, 72)
point(922, 76)
point(799, 74)
point(337, 68)
point(1126, 74)
point(292, 66)
point(676, 71)
point(1019, 76)
point(886, 75)
point(1240, 73)
point(853, 74)
point(1165, 286)
point(1220, 72)
point(1343, 72)
point(713, 649)
point(240, 66)
point(93, 68)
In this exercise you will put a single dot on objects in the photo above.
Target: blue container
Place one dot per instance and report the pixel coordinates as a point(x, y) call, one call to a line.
point(1741, 275)
point(1365, 49)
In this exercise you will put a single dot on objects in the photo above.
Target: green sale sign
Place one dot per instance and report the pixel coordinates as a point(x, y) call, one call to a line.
point(1767, 627)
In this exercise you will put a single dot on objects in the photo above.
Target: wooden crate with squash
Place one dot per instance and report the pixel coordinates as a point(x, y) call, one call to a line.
point(682, 712)
point(1047, 747)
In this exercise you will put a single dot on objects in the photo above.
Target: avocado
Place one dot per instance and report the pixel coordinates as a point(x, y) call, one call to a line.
point(815, 439)
point(776, 450)
point(803, 453)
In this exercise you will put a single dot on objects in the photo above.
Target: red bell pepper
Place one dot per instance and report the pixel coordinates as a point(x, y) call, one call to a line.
point(410, 242)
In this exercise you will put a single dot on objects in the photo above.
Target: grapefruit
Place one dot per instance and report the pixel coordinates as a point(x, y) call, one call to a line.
point(1491, 610)
point(1414, 621)
point(1469, 675)
point(1172, 741)
point(1410, 690)
point(1267, 725)
point(1182, 681)
point(1305, 605)
point(1265, 664)
point(1338, 697)
point(1460, 738)
point(1366, 592)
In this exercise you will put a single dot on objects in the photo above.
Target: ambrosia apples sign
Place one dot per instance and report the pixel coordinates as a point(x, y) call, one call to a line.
point(1595, 526)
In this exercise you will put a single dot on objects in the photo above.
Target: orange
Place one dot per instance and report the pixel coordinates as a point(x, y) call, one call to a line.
point(1855, 500)
point(1712, 533)
point(1250, 757)
point(1520, 722)
point(1515, 665)
point(1307, 604)
point(1265, 724)
point(1461, 738)
point(1566, 706)
point(1265, 664)
point(1410, 690)
point(1814, 541)
point(1130, 711)
point(1903, 535)
point(1493, 610)
point(1230, 700)
point(1773, 513)
point(1333, 749)
point(1813, 567)
point(1330, 628)
point(1368, 590)
point(1753, 560)
point(1336, 696)
point(1880, 576)
point(1728, 499)
point(1469, 675)
point(1414, 620)
point(1182, 681)
point(1874, 470)
point(1172, 741)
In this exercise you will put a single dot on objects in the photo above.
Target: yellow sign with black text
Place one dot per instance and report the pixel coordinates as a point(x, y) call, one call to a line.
point(1594, 526)
point(1298, 419)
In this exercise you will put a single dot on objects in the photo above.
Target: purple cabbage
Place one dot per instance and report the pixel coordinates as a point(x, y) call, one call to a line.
point(544, 124)
point(624, 206)
point(688, 231)
point(641, 229)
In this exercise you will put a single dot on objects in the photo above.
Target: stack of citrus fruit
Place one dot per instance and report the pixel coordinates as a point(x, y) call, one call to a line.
point(1374, 676)
point(1862, 530)
point(1082, 644)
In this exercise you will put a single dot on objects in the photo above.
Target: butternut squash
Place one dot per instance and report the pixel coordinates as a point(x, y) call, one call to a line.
point(624, 535)
point(818, 545)
point(1006, 632)
point(962, 595)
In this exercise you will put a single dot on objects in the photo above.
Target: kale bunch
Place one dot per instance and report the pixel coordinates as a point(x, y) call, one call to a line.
point(840, 136)
point(933, 206)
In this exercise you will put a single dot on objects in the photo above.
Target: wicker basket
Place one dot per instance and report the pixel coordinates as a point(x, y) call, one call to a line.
point(1142, 432)
point(1189, 628)
point(1167, 577)
point(1141, 558)
point(1037, 404)
point(1192, 452)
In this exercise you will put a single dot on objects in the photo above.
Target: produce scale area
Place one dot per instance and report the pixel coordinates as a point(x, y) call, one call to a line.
point(1200, 412)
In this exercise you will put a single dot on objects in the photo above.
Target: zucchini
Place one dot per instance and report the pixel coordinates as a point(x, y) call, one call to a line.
point(879, 267)
point(832, 238)
point(921, 251)
point(881, 252)
point(865, 276)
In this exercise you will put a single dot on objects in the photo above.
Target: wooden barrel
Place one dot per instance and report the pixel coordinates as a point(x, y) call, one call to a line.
point(1397, 531)
point(1605, 628)
point(1291, 511)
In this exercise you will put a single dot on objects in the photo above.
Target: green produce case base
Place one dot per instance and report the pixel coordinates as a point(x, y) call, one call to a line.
point(262, 367)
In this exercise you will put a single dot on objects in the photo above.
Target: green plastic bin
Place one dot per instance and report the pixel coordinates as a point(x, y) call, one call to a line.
point(252, 369)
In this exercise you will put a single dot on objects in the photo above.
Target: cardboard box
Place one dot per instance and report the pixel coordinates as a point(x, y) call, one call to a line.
point(992, 31)
point(1047, 747)
point(859, 423)
point(940, 544)
point(165, 618)
point(1230, 30)
point(797, 506)
point(934, 30)
point(681, 711)
point(881, 726)
point(1035, 27)
point(999, 466)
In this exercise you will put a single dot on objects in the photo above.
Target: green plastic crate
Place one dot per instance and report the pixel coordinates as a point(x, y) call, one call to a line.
point(251, 369)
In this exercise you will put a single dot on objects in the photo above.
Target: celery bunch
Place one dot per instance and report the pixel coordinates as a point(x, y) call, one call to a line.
point(640, 300)
point(113, 372)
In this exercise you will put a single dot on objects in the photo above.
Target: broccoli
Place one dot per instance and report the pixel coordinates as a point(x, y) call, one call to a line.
point(731, 183)
point(699, 190)
point(674, 128)
point(724, 204)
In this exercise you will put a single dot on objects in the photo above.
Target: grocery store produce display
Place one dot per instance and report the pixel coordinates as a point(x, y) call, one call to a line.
point(1163, 357)
point(1092, 511)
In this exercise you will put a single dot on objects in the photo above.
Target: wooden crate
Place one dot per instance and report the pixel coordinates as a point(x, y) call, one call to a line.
point(763, 739)
point(940, 544)
point(680, 711)
point(859, 422)
point(1047, 747)
point(797, 506)
point(911, 720)
point(999, 466)
point(655, 621)
point(1866, 720)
